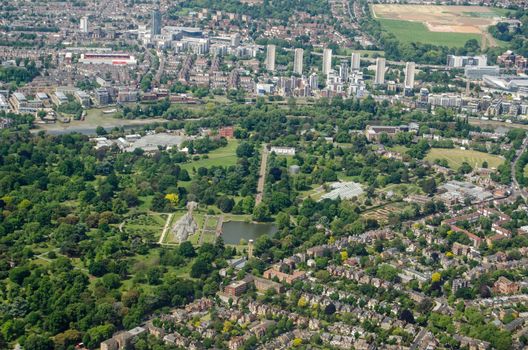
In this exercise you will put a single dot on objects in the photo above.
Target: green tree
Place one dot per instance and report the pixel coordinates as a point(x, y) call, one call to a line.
point(186, 249)
point(38, 342)
point(261, 212)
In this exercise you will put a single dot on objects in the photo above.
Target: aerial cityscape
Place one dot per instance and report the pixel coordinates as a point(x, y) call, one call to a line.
point(258, 174)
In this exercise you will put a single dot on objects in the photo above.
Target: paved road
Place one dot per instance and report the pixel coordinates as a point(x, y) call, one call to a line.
point(418, 340)
point(161, 68)
point(262, 175)
point(516, 188)
point(165, 229)
point(219, 223)
point(393, 63)
point(43, 257)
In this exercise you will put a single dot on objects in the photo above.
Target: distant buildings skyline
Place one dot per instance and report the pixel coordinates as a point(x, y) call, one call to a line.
point(327, 61)
point(379, 78)
point(156, 22)
point(270, 57)
point(410, 69)
point(83, 25)
point(355, 61)
point(298, 61)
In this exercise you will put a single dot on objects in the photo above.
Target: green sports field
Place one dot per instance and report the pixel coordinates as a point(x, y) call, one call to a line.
point(444, 25)
point(412, 32)
point(455, 157)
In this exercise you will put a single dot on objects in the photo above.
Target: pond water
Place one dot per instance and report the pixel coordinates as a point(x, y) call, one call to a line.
point(234, 231)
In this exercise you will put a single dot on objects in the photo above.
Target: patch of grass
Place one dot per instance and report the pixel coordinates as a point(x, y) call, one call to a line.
point(209, 237)
point(381, 213)
point(235, 217)
point(399, 148)
point(494, 11)
point(412, 32)
point(149, 225)
point(402, 190)
point(455, 157)
point(225, 156)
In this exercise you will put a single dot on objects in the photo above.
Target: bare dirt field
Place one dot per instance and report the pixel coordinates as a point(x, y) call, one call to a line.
point(446, 19)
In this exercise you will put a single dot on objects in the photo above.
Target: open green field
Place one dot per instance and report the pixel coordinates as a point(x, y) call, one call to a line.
point(225, 156)
point(445, 25)
point(412, 32)
point(494, 11)
point(146, 225)
point(455, 157)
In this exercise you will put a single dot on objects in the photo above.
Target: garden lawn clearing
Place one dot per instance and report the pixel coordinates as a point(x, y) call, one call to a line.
point(455, 157)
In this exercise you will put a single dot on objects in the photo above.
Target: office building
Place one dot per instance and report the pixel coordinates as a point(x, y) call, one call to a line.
point(102, 97)
point(477, 73)
point(298, 61)
point(355, 61)
point(83, 98)
point(4, 105)
point(445, 100)
point(379, 79)
point(327, 61)
point(343, 71)
point(235, 40)
point(156, 23)
point(313, 81)
point(462, 61)
point(270, 58)
point(83, 25)
point(409, 75)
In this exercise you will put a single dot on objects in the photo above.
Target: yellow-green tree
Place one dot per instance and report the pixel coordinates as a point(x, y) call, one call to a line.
point(436, 277)
point(173, 198)
point(344, 255)
point(297, 342)
point(302, 302)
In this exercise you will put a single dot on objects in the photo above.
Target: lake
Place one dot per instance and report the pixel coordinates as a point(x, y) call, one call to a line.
point(234, 231)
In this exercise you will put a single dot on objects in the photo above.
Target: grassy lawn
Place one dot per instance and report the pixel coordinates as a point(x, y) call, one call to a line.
point(143, 262)
point(526, 171)
point(149, 225)
point(402, 189)
point(455, 157)
point(235, 217)
point(146, 203)
point(315, 193)
point(409, 32)
point(381, 213)
point(494, 12)
point(399, 148)
point(225, 156)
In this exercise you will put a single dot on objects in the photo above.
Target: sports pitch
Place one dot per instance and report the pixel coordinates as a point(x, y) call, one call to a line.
point(435, 24)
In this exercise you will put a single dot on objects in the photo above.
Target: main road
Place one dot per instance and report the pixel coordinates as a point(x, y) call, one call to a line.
point(262, 175)
point(393, 63)
point(516, 188)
